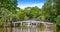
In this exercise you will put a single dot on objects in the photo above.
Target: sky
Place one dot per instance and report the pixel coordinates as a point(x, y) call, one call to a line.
point(30, 3)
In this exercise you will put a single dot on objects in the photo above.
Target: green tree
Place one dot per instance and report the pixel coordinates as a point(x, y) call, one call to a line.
point(57, 6)
point(35, 11)
point(47, 10)
point(8, 4)
point(32, 12)
point(4, 16)
point(21, 15)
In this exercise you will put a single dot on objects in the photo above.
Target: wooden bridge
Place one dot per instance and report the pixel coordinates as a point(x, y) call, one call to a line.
point(31, 22)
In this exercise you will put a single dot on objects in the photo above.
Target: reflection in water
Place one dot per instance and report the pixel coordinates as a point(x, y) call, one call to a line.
point(29, 29)
point(26, 29)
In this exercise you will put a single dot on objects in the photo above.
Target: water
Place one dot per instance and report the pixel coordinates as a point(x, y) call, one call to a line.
point(28, 29)
point(25, 29)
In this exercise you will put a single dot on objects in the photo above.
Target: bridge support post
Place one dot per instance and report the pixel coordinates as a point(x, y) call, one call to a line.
point(14, 24)
point(36, 24)
point(21, 23)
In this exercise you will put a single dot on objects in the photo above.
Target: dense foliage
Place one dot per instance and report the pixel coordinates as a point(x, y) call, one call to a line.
point(10, 12)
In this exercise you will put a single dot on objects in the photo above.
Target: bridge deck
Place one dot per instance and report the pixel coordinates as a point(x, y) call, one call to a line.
point(30, 21)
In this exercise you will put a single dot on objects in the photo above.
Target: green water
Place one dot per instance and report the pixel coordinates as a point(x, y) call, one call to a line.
point(25, 29)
